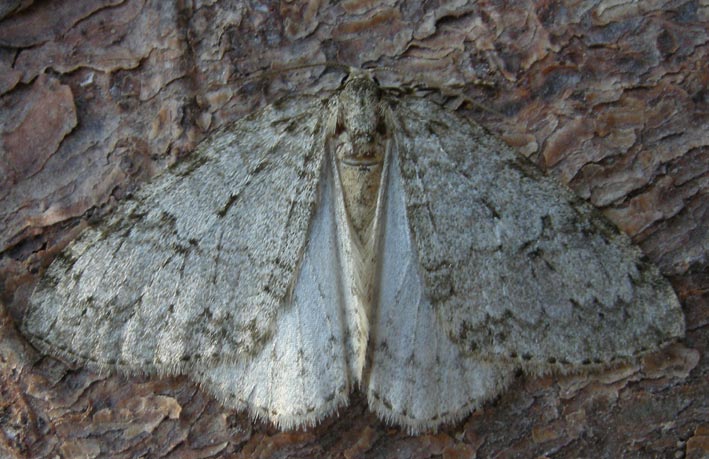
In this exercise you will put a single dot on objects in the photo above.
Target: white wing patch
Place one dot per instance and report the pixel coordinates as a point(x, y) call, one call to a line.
point(302, 374)
point(418, 377)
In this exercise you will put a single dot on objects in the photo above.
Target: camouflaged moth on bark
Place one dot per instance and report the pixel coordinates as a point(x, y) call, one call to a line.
point(364, 240)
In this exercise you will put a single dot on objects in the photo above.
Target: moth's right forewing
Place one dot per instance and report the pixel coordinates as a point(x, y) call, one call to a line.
point(302, 374)
point(197, 266)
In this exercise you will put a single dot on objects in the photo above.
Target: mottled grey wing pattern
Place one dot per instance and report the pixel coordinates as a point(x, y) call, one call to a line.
point(417, 376)
point(515, 265)
point(195, 267)
point(255, 268)
point(301, 375)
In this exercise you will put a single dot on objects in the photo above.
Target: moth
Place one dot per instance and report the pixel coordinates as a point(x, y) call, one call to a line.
point(369, 239)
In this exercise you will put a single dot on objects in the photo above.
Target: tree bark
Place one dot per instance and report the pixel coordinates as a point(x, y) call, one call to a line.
point(610, 97)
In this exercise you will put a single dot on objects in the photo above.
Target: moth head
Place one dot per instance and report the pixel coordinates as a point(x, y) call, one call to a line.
point(361, 85)
point(360, 118)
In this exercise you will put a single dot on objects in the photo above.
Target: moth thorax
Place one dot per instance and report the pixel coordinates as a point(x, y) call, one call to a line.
point(361, 178)
point(360, 130)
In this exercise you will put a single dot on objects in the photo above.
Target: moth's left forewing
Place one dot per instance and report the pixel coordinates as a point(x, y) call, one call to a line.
point(515, 265)
point(417, 377)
